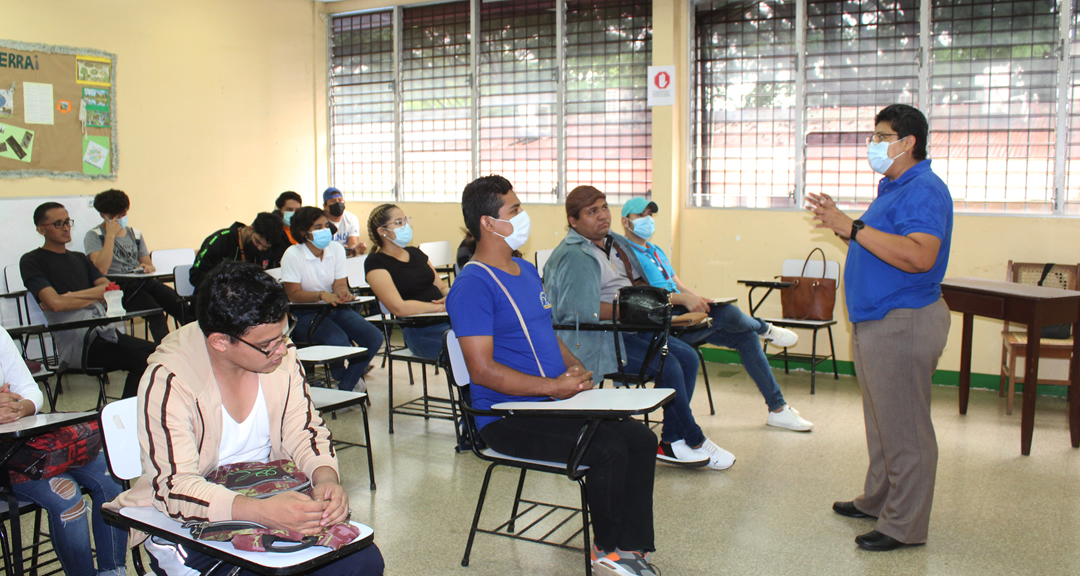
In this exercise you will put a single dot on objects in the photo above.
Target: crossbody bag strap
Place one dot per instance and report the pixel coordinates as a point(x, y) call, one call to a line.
point(524, 328)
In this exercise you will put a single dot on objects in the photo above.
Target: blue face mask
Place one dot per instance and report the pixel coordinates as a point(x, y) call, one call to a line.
point(322, 238)
point(403, 235)
point(287, 217)
point(644, 227)
point(877, 155)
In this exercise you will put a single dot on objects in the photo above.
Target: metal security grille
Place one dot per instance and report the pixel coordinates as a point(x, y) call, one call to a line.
point(1071, 158)
point(518, 91)
point(436, 102)
point(744, 141)
point(992, 112)
point(861, 57)
point(608, 126)
point(362, 105)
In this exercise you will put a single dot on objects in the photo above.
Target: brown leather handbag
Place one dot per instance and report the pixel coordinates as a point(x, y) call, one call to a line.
point(810, 298)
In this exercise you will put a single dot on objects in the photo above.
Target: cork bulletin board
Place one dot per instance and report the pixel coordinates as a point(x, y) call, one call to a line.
point(57, 112)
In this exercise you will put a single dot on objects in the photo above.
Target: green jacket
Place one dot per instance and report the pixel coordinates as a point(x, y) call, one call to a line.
point(572, 285)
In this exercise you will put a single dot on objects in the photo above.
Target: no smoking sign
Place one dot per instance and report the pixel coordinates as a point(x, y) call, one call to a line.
point(661, 86)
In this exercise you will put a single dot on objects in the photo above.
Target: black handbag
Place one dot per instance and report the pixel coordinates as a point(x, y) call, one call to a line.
point(1058, 331)
point(643, 306)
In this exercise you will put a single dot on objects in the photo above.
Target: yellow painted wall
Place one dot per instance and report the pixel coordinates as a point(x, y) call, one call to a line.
point(215, 105)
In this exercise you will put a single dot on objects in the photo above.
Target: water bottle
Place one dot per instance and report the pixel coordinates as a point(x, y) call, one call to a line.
point(114, 305)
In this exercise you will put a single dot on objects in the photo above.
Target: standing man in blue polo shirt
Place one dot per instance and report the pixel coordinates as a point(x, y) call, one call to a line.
point(897, 255)
point(731, 328)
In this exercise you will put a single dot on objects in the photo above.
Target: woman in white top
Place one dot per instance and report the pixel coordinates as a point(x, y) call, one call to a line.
point(61, 496)
point(314, 271)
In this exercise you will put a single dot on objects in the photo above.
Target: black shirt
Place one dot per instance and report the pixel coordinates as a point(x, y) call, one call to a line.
point(414, 280)
point(67, 272)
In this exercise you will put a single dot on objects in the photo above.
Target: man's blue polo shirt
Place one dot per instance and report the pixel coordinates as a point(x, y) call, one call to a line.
point(917, 201)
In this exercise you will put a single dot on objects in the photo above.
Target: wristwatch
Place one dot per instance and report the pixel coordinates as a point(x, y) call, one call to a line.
point(855, 227)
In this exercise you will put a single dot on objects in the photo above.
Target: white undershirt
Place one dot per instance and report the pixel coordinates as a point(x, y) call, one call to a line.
point(247, 441)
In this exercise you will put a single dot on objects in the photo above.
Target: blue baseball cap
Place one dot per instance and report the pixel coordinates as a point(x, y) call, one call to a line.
point(330, 193)
point(638, 205)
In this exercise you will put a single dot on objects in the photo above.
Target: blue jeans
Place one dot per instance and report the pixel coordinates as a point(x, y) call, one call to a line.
point(679, 374)
point(425, 341)
point(342, 327)
point(735, 330)
point(62, 498)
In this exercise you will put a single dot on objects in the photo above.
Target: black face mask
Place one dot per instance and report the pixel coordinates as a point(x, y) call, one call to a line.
point(337, 209)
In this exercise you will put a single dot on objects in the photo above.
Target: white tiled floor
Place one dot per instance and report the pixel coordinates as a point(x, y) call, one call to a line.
point(995, 511)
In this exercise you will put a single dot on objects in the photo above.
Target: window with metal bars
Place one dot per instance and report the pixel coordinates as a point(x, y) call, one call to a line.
point(745, 105)
point(608, 125)
point(986, 76)
point(414, 114)
point(362, 105)
point(860, 57)
point(1071, 156)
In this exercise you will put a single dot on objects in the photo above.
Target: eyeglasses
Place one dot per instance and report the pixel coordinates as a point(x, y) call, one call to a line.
point(61, 224)
point(276, 342)
point(878, 137)
point(398, 223)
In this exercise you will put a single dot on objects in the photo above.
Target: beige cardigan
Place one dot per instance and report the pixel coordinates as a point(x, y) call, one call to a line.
point(180, 430)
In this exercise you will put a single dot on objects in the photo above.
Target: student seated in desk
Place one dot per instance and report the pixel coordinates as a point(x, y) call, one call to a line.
point(229, 389)
point(582, 279)
point(61, 496)
point(116, 248)
point(500, 356)
point(315, 271)
point(69, 287)
point(260, 243)
point(403, 279)
point(646, 263)
point(346, 225)
point(286, 204)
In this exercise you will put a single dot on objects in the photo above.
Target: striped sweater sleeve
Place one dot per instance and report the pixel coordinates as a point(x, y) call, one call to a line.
point(168, 419)
point(304, 436)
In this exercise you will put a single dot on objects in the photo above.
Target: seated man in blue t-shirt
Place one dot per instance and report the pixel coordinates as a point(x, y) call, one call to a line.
point(506, 363)
point(731, 328)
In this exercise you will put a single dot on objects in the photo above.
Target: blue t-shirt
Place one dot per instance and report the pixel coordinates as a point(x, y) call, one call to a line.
point(917, 201)
point(478, 307)
point(656, 266)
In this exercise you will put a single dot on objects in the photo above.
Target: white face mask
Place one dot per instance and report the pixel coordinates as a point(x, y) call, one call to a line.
point(520, 235)
point(877, 155)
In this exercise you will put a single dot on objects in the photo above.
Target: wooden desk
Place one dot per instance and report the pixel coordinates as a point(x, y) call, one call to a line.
point(12, 437)
point(1023, 304)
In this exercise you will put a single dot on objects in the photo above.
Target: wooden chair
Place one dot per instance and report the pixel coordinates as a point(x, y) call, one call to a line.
point(1014, 343)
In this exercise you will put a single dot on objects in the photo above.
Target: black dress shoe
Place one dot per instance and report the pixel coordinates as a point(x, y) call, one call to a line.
point(875, 541)
point(848, 509)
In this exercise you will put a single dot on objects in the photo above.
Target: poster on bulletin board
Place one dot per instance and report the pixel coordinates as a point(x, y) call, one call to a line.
point(57, 112)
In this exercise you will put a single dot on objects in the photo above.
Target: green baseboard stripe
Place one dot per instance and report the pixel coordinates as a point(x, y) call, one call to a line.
point(941, 377)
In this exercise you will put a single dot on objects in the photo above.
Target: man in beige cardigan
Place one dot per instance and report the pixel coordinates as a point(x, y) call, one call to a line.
point(229, 389)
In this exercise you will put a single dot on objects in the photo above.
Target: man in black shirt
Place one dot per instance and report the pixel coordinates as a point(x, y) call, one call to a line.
point(262, 243)
point(69, 287)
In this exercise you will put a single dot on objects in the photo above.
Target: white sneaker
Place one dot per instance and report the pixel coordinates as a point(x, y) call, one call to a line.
point(679, 454)
point(781, 337)
point(789, 418)
point(719, 459)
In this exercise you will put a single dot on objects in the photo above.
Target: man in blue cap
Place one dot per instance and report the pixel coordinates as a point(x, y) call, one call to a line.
point(731, 327)
point(347, 224)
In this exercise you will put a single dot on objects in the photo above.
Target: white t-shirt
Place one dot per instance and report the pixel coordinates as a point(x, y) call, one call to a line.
point(14, 372)
point(299, 265)
point(349, 226)
point(247, 441)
